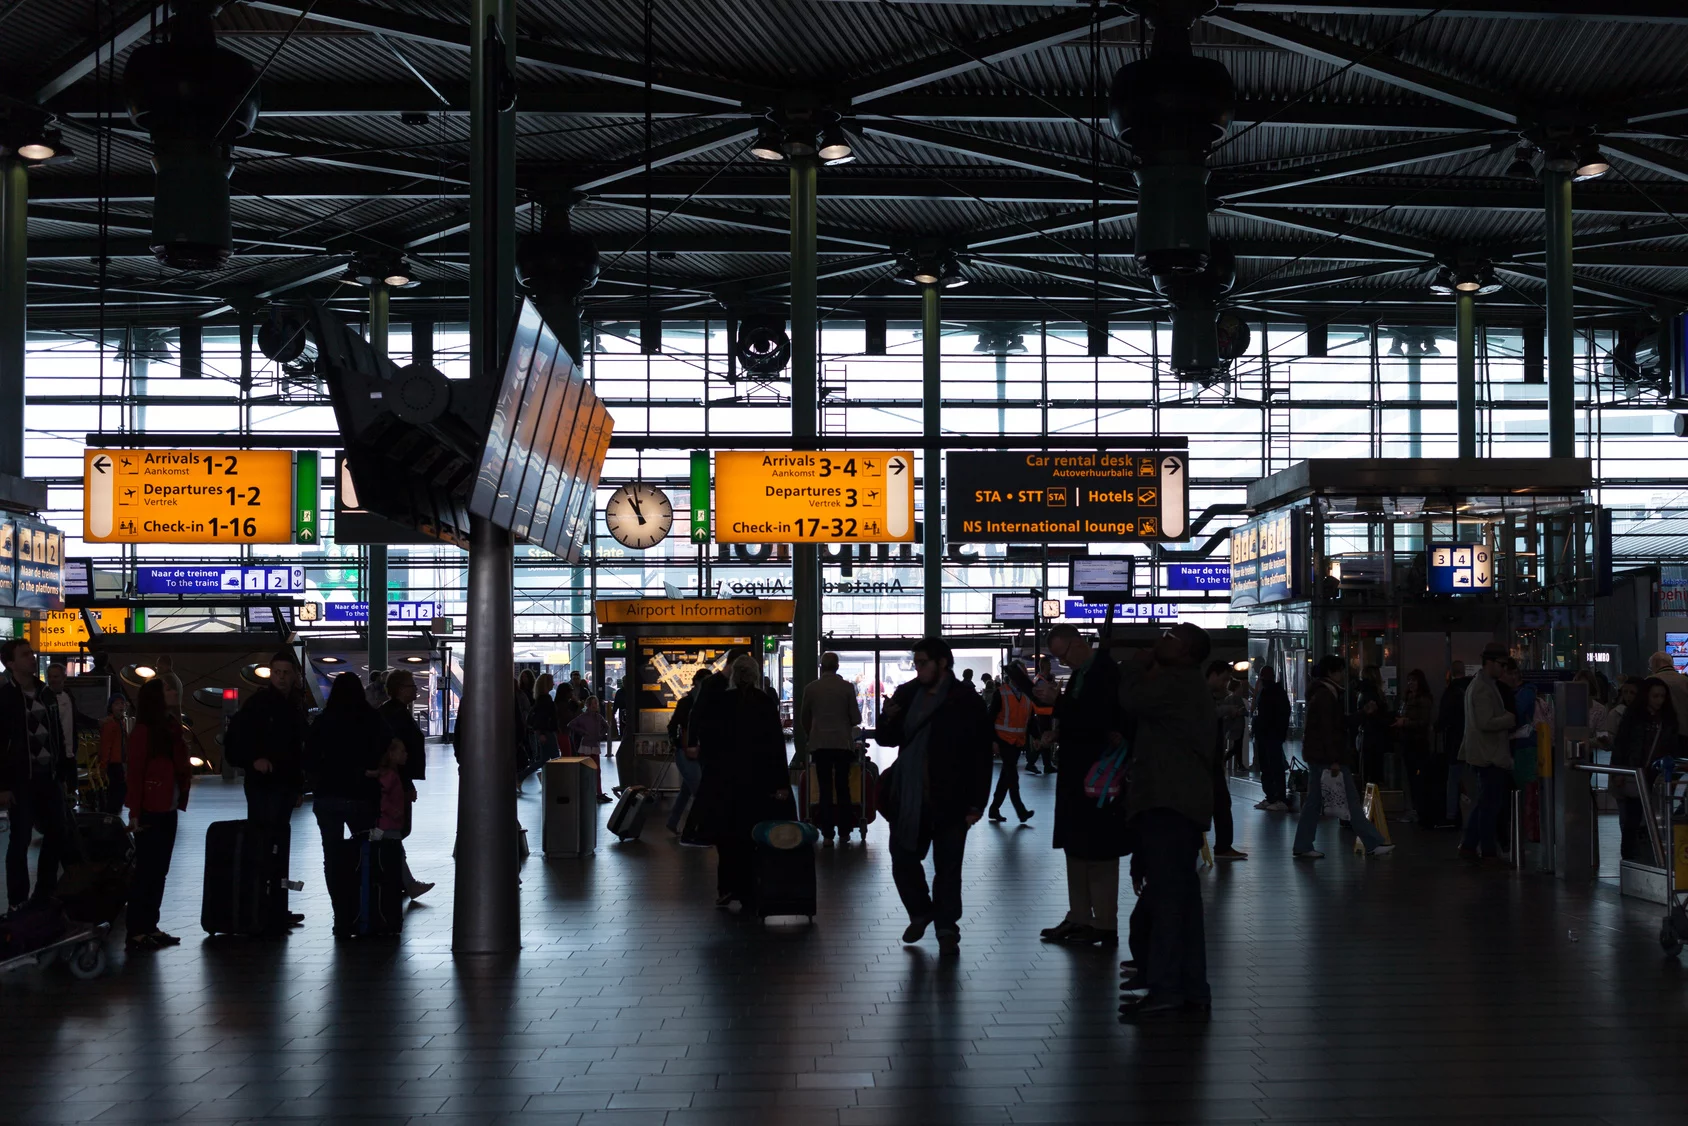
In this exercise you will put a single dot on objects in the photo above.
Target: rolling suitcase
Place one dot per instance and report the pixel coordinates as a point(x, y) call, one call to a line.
point(859, 810)
point(783, 877)
point(237, 899)
point(369, 887)
point(627, 819)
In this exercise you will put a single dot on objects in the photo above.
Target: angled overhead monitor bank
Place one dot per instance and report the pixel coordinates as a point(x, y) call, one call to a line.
point(545, 449)
point(417, 458)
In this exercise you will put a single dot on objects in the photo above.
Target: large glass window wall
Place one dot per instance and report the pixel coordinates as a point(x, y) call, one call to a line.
point(1379, 391)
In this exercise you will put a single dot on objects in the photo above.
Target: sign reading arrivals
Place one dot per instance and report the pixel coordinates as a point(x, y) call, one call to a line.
point(1268, 560)
point(801, 496)
point(199, 496)
point(1068, 496)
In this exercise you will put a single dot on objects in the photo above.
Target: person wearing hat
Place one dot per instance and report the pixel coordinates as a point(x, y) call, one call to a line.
point(1487, 749)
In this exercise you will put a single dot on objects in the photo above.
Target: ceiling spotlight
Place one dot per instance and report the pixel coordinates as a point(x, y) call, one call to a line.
point(767, 145)
point(391, 271)
point(1591, 162)
point(1521, 167)
point(1443, 283)
point(835, 146)
point(46, 148)
point(32, 142)
point(799, 143)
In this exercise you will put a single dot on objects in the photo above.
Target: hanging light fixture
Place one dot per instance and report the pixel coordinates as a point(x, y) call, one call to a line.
point(25, 134)
point(1522, 168)
point(930, 263)
point(1591, 162)
point(767, 144)
point(390, 270)
point(835, 146)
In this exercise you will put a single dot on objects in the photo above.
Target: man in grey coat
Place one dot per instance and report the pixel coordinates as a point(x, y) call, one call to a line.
point(829, 716)
point(1487, 749)
point(1170, 803)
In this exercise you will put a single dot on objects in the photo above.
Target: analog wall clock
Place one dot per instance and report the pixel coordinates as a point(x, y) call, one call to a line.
point(639, 515)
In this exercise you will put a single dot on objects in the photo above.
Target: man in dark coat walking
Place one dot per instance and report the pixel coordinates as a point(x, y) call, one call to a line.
point(1088, 725)
point(936, 790)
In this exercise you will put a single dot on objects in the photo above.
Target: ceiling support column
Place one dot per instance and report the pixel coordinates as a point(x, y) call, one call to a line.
point(486, 915)
point(805, 396)
point(1561, 334)
point(14, 309)
point(380, 298)
point(932, 392)
point(1465, 344)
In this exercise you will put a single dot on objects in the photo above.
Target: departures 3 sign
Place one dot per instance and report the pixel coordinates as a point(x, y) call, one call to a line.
point(1068, 496)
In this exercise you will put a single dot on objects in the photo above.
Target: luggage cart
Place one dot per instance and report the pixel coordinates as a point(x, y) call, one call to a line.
point(81, 949)
point(1670, 796)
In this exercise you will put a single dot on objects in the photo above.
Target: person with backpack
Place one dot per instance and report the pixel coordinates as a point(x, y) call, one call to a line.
point(266, 738)
point(163, 776)
point(1092, 834)
point(34, 769)
point(1017, 727)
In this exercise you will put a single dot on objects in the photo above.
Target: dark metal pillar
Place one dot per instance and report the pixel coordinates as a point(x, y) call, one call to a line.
point(379, 303)
point(1465, 342)
point(805, 397)
point(932, 391)
point(14, 309)
point(487, 913)
point(1561, 335)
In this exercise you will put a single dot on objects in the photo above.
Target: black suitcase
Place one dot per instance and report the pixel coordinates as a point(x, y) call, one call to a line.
point(368, 890)
point(627, 819)
point(237, 898)
point(784, 869)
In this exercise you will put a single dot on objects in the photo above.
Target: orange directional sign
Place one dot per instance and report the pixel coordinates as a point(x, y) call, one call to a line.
point(189, 496)
point(799, 496)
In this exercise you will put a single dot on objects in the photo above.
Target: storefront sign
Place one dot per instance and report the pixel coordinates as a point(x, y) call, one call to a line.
point(657, 611)
point(1268, 560)
point(65, 632)
point(1198, 576)
point(199, 496)
point(784, 496)
point(1071, 496)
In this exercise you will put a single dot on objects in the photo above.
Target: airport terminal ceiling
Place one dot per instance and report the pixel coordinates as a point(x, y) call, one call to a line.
point(1376, 153)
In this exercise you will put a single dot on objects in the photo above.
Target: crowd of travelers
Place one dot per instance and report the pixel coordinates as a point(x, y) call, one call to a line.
point(358, 759)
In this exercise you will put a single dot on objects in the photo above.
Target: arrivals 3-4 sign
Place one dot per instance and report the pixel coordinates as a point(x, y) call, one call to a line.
point(199, 496)
point(1068, 496)
point(795, 496)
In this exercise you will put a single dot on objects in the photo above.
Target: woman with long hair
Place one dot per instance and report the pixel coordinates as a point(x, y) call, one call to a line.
point(343, 752)
point(1647, 733)
point(745, 779)
point(543, 721)
point(158, 790)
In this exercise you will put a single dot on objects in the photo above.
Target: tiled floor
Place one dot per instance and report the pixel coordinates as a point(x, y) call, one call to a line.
point(1410, 989)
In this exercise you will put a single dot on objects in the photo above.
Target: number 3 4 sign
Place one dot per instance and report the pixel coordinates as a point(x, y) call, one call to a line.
point(199, 496)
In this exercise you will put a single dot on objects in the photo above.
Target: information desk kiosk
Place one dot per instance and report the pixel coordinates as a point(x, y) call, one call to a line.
point(668, 641)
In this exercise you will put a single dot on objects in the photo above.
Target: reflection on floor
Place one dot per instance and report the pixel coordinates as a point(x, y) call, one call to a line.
point(1407, 989)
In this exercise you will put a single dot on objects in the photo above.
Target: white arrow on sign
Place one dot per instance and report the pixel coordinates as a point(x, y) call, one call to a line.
point(101, 499)
point(1174, 513)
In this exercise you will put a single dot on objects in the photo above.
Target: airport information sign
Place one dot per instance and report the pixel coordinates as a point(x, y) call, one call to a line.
point(1068, 496)
point(199, 496)
point(1198, 576)
point(1268, 560)
point(66, 632)
point(802, 496)
point(1461, 568)
point(407, 613)
point(220, 580)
